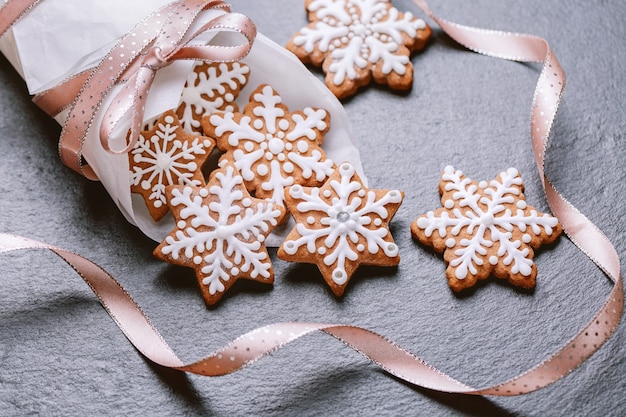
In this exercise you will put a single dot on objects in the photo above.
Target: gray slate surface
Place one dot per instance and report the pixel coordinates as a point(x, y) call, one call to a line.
point(60, 354)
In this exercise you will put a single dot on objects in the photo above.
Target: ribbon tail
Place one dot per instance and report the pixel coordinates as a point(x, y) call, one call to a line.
point(124, 311)
point(499, 44)
point(131, 100)
point(583, 233)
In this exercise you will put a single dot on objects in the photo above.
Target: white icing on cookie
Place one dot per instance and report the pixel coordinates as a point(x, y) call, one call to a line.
point(357, 32)
point(210, 90)
point(166, 160)
point(222, 230)
point(489, 214)
point(346, 219)
point(273, 146)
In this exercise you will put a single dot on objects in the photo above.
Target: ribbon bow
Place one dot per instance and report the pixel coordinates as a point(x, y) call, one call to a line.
point(173, 42)
point(169, 34)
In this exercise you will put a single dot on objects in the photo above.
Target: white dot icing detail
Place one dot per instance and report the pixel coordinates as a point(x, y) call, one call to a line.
point(262, 170)
point(302, 146)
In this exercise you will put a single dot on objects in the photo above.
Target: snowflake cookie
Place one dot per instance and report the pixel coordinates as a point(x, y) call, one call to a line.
point(341, 225)
point(166, 155)
point(210, 87)
point(220, 232)
point(353, 40)
point(272, 147)
point(486, 228)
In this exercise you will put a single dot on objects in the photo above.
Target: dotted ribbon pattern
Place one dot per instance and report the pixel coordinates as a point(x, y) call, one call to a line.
point(386, 354)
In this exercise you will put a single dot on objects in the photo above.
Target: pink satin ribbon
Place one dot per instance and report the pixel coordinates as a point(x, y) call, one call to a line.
point(383, 352)
point(174, 42)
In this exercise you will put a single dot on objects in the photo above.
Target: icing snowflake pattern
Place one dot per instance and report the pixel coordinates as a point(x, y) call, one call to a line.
point(271, 147)
point(341, 225)
point(355, 39)
point(486, 228)
point(210, 87)
point(166, 155)
point(220, 232)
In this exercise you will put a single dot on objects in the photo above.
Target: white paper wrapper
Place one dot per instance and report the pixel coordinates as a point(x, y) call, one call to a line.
point(60, 38)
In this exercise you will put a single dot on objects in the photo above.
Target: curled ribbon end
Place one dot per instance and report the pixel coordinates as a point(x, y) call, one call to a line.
point(131, 139)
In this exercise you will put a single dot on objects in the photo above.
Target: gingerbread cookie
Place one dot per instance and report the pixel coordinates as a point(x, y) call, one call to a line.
point(355, 40)
point(166, 155)
point(272, 147)
point(220, 232)
point(486, 228)
point(211, 87)
point(341, 225)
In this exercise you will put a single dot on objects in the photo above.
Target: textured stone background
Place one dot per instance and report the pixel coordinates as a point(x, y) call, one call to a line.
point(60, 354)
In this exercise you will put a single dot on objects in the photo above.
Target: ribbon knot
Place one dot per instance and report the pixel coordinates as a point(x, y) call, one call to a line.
point(173, 41)
point(154, 59)
point(152, 45)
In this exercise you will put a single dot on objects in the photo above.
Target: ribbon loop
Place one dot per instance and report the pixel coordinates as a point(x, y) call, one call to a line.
point(172, 43)
point(130, 100)
point(154, 60)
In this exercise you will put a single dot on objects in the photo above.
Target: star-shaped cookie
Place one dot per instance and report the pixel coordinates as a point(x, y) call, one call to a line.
point(486, 228)
point(341, 225)
point(220, 232)
point(355, 40)
point(166, 155)
point(210, 87)
point(272, 147)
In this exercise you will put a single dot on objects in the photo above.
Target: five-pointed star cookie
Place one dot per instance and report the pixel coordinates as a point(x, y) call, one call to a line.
point(220, 232)
point(486, 228)
point(341, 225)
point(272, 147)
point(355, 40)
point(166, 155)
